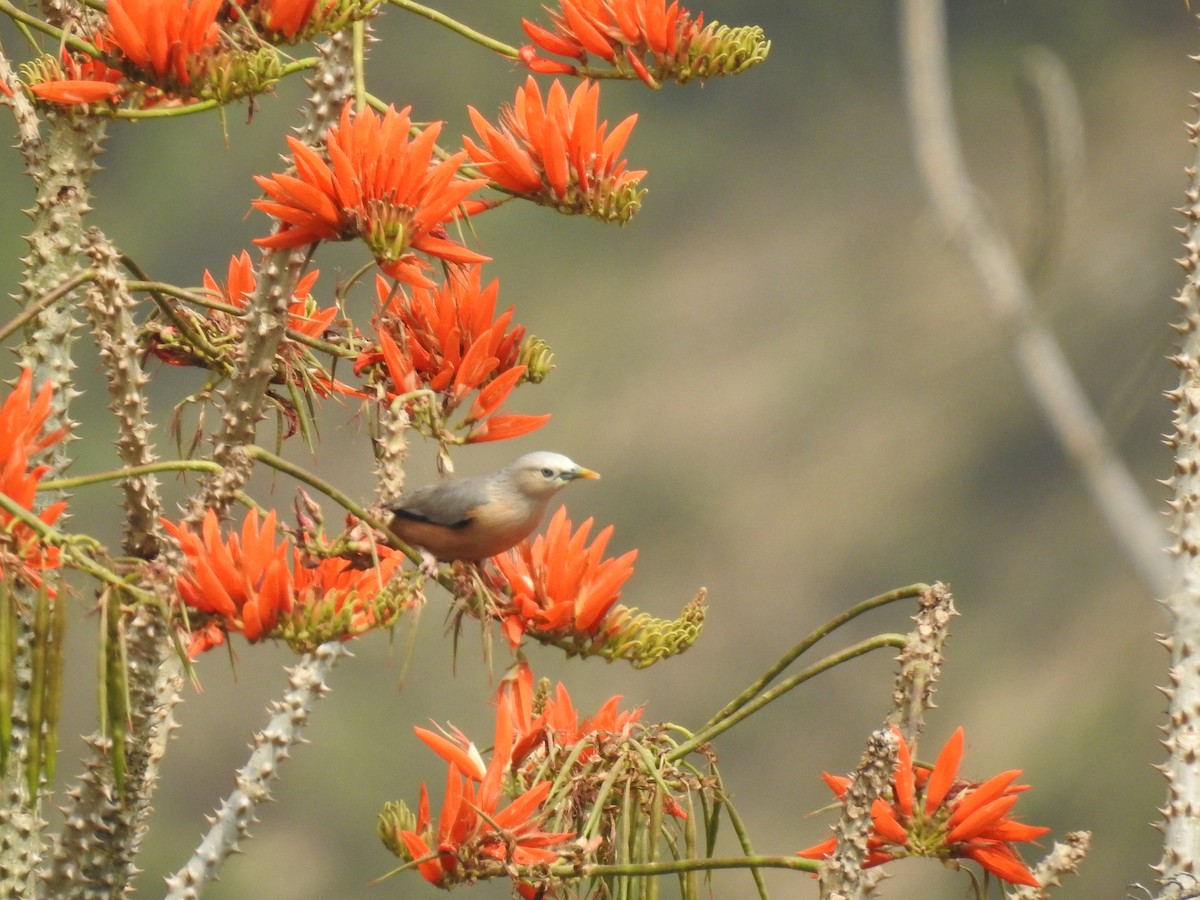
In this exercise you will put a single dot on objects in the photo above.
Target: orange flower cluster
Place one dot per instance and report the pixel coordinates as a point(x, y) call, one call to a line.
point(172, 43)
point(557, 726)
point(476, 838)
point(179, 48)
point(246, 584)
point(934, 813)
point(556, 154)
point(561, 587)
point(646, 34)
point(449, 340)
point(22, 421)
point(379, 185)
point(168, 38)
point(532, 737)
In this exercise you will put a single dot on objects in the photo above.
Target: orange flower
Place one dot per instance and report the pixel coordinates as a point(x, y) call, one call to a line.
point(558, 726)
point(168, 38)
point(75, 92)
point(559, 586)
point(284, 17)
point(22, 422)
point(379, 185)
point(295, 363)
point(555, 153)
point(300, 19)
point(241, 283)
point(934, 813)
point(647, 39)
point(649, 35)
point(475, 838)
point(336, 590)
point(244, 581)
point(22, 553)
point(246, 584)
point(84, 79)
point(450, 341)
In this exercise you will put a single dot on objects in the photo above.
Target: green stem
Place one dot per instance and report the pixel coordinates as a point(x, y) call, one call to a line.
point(80, 560)
point(166, 112)
point(198, 341)
point(155, 288)
point(358, 55)
point(37, 24)
point(454, 25)
point(31, 310)
point(822, 631)
point(714, 728)
point(672, 866)
point(300, 474)
point(167, 465)
point(743, 836)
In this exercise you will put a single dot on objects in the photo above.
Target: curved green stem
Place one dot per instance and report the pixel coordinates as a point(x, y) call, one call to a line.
point(37, 24)
point(167, 465)
point(157, 289)
point(673, 866)
point(319, 484)
point(69, 546)
point(301, 474)
point(714, 728)
point(161, 287)
point(822, 631)
point(743, 835)
point(454, 25)
point(167, 112)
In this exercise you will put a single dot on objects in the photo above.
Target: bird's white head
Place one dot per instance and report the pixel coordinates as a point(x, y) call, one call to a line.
point(542, 474)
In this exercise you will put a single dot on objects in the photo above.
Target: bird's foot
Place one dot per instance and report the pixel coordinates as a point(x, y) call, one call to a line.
point(429, 565)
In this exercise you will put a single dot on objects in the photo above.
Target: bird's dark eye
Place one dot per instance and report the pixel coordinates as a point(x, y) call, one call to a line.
point(547, 472)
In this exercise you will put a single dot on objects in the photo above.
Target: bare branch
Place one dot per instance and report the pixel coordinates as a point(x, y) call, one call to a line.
point(1047, 373)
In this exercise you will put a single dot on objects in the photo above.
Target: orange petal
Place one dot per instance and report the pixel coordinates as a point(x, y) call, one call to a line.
point(944, 772)
point(981, 821)
point(1003, 862)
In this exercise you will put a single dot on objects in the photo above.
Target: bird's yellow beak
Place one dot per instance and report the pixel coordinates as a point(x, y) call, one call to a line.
point(586, 473)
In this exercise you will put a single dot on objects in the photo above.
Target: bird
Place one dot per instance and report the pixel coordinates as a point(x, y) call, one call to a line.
point(471, 519)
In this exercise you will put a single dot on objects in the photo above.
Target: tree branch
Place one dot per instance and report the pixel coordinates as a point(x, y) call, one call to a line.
point(1047, 373)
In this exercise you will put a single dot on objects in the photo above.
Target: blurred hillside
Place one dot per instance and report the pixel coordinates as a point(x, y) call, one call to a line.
point(796, 398)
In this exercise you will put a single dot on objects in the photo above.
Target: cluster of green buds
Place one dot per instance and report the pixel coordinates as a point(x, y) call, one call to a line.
point(537, 358)
point(233, 74)
point(723, 50)
point(617, 201)
point(637, 637)
point(341, 615)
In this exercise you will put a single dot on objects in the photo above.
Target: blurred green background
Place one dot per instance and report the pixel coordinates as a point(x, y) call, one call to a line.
point(797, 399)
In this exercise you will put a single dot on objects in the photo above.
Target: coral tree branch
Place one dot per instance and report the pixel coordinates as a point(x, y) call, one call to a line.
point(1180, 864)
point(1040, 361)
point(232, 821)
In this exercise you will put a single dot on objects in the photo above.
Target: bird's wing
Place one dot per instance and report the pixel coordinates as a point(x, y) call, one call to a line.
point(451, 503)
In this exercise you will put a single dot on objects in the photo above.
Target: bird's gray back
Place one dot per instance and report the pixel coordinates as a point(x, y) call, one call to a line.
point(449, 503)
